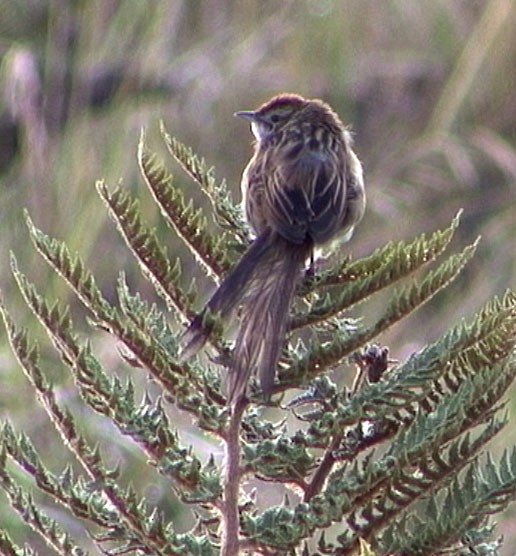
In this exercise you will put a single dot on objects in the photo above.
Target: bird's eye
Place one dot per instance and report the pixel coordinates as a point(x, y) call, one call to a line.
point(275, 118)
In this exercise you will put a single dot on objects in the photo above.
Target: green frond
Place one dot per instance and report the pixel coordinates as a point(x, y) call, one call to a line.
point(372, 497)
point(279, 528)
point(458, 355)
point(178, 380)
point(128, 520)
point(149, 318)
point(146, 423)
point(55, 320)
point(214, 253)
point(356, 281)
point(434, 448)
point(23, 348)
point(454, 414)
point(284, 528)
point(423, 458)
point(403, 302)
point(197, 545)
point(419, 292)
point(227, 214)
point(65, 489)
point(59, 328)
point(279, 459)
point(387, 488)
point(147, 334)
point(72, 270)
point(27, 354)
point(46, 527)
point(143, 242)
point(468, 501)
point(181, 382)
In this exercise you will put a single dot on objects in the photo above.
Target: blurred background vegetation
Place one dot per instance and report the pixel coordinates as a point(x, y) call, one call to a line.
point(427, 85)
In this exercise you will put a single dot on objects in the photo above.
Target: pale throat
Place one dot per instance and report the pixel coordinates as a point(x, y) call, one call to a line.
point(260, 131)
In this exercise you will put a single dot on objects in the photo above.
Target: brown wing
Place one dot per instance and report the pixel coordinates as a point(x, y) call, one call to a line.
point(305, 193)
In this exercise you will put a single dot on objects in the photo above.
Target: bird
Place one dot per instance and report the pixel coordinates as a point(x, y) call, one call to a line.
point(302, 188)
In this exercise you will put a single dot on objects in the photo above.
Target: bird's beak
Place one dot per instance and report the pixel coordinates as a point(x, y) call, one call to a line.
point(247, 115)
point(259, 126)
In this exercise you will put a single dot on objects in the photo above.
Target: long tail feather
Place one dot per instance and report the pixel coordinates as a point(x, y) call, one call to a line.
point(227, 298)
point(265, 313)
point(263, 282)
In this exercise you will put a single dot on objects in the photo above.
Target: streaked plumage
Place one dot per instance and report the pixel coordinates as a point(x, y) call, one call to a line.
point(302, 187)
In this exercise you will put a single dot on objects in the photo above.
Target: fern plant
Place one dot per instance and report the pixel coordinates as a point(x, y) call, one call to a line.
point(396, 464)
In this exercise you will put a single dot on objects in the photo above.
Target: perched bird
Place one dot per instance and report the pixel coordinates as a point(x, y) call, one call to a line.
point(302, 187)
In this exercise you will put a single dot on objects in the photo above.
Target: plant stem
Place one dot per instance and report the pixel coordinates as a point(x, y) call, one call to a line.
point(323, 470)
